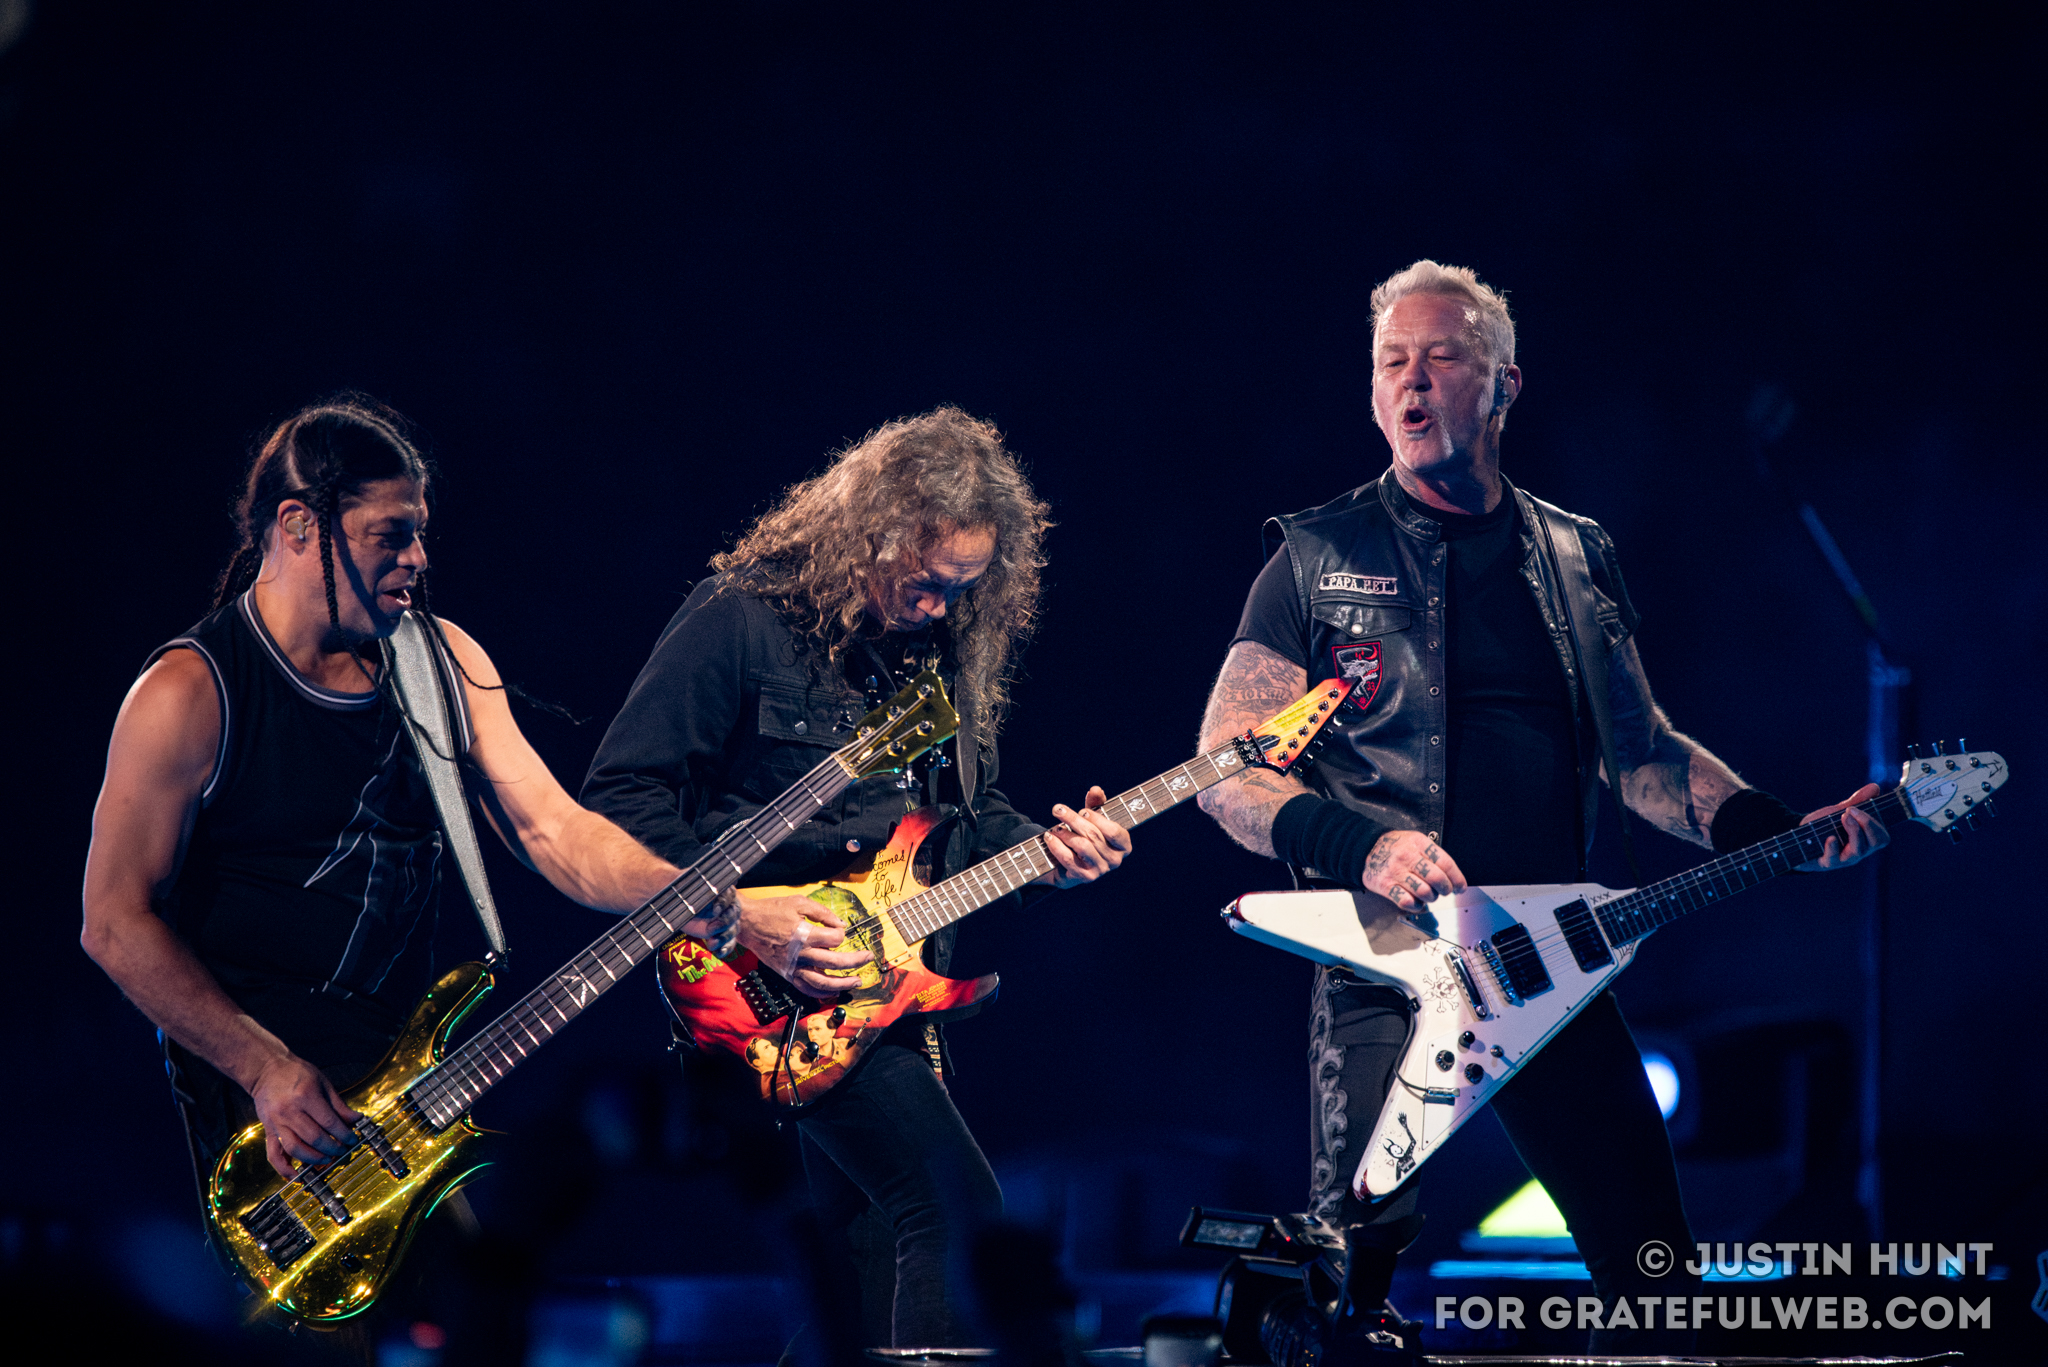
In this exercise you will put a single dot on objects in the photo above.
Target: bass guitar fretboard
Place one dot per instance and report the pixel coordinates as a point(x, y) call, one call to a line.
point(484, 1060)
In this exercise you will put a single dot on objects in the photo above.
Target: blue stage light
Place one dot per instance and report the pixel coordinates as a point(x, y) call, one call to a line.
point(1663, 1080)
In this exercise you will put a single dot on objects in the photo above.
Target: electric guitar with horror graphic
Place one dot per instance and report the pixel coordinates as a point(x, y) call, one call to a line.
point(800, 1048)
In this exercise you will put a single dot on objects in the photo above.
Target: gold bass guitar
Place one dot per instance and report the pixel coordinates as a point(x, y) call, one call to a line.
point(323, 1244)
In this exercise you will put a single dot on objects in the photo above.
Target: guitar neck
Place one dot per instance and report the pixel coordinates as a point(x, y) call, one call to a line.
point(1633, 915)
point(484, 1060)
point(972, 889)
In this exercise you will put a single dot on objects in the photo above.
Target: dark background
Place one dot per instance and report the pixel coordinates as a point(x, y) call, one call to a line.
point(634, 268)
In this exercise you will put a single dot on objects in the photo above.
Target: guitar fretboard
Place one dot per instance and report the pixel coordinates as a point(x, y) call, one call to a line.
point(484, 1060)
point(1633, 915)
point(972, 889)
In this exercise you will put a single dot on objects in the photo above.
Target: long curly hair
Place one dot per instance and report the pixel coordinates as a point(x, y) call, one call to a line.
point(864, 525)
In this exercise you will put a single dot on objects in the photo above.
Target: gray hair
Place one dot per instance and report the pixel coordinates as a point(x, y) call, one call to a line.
point(1486, 308)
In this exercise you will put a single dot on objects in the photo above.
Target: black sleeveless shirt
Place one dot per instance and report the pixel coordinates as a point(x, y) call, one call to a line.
point(310, 887)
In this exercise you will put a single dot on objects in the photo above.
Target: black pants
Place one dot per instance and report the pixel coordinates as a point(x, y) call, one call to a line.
point(1580, 1114)
point(899, 1185)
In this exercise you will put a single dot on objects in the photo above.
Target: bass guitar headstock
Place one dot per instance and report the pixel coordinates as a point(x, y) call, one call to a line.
point(901, 729)
point(1289, 736)
point(1940, 790)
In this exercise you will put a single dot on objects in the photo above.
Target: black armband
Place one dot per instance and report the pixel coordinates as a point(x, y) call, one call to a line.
point(1749, 816)
point(1315, 832)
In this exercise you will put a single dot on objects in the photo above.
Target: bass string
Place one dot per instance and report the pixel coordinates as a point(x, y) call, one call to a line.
point(463, 1069)
point(467, 1067)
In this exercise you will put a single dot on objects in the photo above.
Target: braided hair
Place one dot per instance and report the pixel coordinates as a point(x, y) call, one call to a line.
point(324, 456)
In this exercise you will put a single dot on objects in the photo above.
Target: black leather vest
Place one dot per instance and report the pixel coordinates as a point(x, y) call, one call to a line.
point(1369, 576)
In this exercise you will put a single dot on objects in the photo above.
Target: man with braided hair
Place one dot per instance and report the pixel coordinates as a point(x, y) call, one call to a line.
point(264, 874)
point(920, 541)
point(1470, 749)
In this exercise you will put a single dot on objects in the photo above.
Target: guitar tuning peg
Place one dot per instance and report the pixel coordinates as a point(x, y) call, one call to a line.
point(1986, 808)
point(1912, 752)
point(1962, 747)
point(1955, 835)
point(1938, 750)
point(1970, 820)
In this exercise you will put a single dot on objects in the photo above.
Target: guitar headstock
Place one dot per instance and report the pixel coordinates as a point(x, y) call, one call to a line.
point(1940, 790)
point(1283, 739)
point(901, 729)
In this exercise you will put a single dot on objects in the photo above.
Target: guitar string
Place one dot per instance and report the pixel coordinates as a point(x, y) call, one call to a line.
point(1798, 839)
point(1732, 872)
point(946, 901)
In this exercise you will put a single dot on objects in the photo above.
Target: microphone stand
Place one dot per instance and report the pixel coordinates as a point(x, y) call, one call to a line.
point(1889, 704)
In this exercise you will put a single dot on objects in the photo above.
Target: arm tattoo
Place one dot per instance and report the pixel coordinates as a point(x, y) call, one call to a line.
point(1255, 683)
point(1667, 778)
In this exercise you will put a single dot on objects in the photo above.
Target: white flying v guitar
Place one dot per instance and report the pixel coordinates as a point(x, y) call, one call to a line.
point(1494, 972)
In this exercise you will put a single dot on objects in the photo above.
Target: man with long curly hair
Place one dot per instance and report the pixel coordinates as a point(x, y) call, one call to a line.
point(920, 541)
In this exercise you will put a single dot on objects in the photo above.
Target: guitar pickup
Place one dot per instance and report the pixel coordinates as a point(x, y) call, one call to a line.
point(767, 1004)
point(313, 1180)
point(372, 1134)
point(1512, 956)
point(281, 1235)
point(1583, 936)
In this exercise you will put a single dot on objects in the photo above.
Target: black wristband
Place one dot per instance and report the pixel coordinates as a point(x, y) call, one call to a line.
point(1314, 832)
point(1749, 816)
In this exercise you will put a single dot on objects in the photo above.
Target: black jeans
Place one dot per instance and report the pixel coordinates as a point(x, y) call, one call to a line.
point(899, 1186)
point(1580, 1114)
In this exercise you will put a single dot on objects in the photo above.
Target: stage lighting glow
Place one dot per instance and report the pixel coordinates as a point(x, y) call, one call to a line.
point(1536, 1270)
point(1528, 1214)
point(1663, 1081)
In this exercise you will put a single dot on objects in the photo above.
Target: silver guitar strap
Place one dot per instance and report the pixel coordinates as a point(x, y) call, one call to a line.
point(423, 690)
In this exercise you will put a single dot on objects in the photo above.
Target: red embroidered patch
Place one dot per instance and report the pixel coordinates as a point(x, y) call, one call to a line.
point(1360, 663)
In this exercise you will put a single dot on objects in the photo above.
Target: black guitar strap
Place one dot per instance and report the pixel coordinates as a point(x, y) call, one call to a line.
point(1589, 648)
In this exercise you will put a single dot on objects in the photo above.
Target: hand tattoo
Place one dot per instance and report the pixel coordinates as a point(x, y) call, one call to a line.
point(1382, 854)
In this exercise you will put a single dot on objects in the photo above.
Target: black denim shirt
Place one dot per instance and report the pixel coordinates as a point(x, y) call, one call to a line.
point(731, 709)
